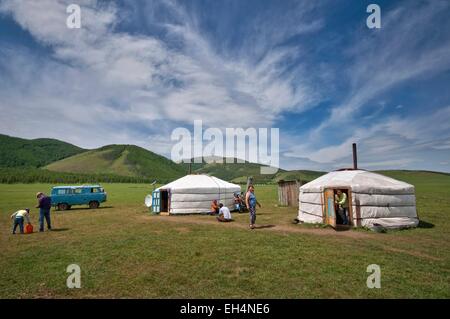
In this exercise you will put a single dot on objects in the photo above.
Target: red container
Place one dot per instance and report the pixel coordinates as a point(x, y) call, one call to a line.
point(28, 229)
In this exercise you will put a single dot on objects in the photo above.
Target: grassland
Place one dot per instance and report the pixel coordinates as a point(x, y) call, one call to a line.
point(124, 251)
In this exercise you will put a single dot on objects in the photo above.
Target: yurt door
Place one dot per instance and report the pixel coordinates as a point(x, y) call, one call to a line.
point(330, 211)
point(156, 202)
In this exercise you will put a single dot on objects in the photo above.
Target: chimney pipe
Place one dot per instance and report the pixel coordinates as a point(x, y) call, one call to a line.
point(355, 157)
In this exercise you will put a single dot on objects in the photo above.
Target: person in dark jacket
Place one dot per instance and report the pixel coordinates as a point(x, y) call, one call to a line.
point(44, 205)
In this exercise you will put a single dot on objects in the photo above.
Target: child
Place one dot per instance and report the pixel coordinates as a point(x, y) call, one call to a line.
point(214, 208)
point(237, 202)
point(19, 217)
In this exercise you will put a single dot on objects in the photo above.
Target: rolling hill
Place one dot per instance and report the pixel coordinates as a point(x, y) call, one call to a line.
point(50, 160)
point(238, 172)
point(121, 160)
point(19, 152)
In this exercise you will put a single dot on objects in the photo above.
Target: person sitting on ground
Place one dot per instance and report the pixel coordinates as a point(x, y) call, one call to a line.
point(19, 218)
point(214, 208)
point(224, 214)
point(342, 201)
point(237, 202)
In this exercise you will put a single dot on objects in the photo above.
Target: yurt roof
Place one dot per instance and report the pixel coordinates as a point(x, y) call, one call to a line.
point(359, 181)
point(195, 181)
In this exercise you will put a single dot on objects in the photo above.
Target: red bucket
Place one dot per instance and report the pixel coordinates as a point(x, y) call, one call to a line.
point(28, 229)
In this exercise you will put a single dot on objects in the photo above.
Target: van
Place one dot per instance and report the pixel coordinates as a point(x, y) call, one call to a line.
point(64, 197)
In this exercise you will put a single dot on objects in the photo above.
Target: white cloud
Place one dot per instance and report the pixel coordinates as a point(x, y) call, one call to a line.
point(101, 85)
point(390, 56)
point(393, 142)
point(99, 71)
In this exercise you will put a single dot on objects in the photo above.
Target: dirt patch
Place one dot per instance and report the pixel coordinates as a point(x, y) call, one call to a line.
point(194, 220)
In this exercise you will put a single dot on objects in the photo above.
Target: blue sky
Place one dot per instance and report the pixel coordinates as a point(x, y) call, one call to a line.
point(138, 69)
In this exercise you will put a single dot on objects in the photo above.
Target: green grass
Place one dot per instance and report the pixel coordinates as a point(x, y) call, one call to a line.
point(124, 251)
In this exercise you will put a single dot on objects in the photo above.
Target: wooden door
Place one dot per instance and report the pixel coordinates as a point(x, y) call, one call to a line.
point(330, 210)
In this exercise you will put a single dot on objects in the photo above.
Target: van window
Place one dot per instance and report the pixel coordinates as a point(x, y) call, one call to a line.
point(77, 190)
point(94, 190)
point(62, 191)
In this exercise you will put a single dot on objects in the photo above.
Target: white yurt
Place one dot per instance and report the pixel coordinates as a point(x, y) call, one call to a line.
point(372, 199)
point(193, 194)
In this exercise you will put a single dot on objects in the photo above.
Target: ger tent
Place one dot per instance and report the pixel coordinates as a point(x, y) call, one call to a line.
point(373, 199)
point(193, 194)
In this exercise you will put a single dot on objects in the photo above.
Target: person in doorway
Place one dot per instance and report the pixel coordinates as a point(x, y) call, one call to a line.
point(342, 202)
point(251, 202)
point(224, 214)
point(18, 218)
point(44, 205)
point(214, 207)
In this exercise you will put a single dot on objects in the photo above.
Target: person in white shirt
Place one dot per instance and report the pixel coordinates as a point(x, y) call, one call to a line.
point(224, 214)
point(19, 217)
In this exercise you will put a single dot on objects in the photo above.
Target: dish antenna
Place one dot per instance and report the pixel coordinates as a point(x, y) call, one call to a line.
point(148, 198)
point(148, 201)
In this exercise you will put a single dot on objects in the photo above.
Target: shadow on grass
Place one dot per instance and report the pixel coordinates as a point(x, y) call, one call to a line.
point(264, 226)
point(342, 228)
point(81, 208)
point(60, 229)
point(424, 224)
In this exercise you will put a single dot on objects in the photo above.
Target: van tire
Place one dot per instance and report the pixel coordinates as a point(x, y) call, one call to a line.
point(63, 206)
point(94, 204)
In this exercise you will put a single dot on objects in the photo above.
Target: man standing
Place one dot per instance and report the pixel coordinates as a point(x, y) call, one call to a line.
point(342, 201)
point(19, 218)
point(44, 205)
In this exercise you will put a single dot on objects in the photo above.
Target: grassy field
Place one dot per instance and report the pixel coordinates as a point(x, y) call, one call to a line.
point(124, 251)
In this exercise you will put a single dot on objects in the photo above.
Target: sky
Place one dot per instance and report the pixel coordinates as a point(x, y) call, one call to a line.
point(137, 70)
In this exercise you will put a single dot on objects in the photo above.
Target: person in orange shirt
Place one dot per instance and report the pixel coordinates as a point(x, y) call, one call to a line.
point(214, 208)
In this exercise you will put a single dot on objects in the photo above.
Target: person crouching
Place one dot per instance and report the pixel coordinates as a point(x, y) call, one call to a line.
point(18, 218)
point(224, 214)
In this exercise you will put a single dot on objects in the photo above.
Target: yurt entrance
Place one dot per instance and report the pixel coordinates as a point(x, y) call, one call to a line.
point(164, 194)
point(332, 214)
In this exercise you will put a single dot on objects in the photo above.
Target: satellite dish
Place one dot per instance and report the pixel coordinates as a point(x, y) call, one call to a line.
point(148, 201)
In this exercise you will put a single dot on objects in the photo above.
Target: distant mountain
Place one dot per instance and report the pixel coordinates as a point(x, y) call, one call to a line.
point(18, 152)
point(50, 160)
point(238, 172)
point(121, 160)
